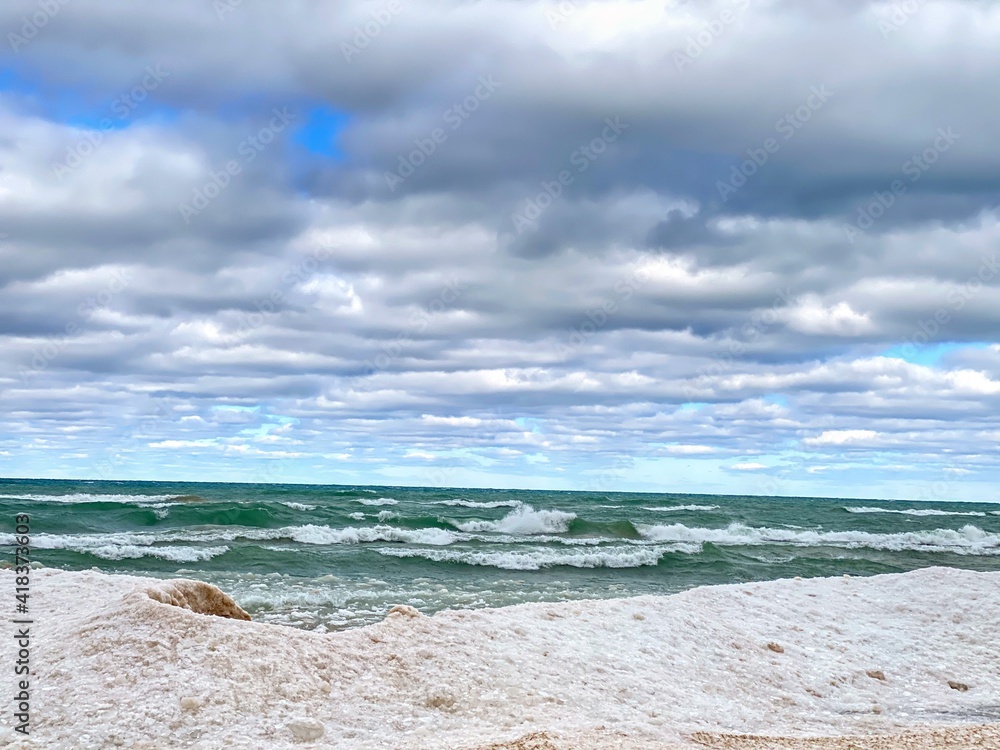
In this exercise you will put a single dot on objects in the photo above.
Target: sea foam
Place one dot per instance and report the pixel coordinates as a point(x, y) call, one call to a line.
point(306, 534)
point(917, 511)
point(677, 508)
point(299, 506)
point(473, 504)
point(632, 557)
point(83, 497)
point(377, 501)
point(173, 554)
point(523, 520)
point(969, 540)
point(350, 535)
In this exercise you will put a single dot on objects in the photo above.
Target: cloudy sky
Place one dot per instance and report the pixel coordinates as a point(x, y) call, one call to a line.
point(745, 246)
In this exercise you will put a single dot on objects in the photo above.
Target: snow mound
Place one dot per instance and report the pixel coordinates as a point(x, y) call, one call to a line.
point(121, 661)
point(201, 598)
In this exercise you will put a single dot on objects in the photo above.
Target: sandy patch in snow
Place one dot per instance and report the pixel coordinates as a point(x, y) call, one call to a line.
point(132, 662)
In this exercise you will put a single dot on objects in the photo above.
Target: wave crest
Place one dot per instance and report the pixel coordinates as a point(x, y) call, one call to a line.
point(133, 552)
point(84, 497)
point(523, 520)
point(548, 558)
point(365, 535)
point(307, 534)
point(298, 506)
point(917, 511)
point(473, 504)
point(378, 501)
point(969, 540)
point(676, 508)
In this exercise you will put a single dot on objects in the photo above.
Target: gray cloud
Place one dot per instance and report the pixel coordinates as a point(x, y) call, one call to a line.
point(314, 314)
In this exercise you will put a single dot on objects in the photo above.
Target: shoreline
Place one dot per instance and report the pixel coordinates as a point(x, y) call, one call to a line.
point(952, 738)
point(125, 661)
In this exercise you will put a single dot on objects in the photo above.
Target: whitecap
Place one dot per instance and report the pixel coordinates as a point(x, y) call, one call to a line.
point(969, 540)
point(523, 520)
point(299, 506)
point(378, 501)
point(84, 497)
point(917, 511)
point(632, 557)
point(676, 508)
point(173, 554)
point(307, 534)
point(473, 504)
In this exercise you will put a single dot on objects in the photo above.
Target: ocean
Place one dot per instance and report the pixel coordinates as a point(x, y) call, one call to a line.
point(334, 557)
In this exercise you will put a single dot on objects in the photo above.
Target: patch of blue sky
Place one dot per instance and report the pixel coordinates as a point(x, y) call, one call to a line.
point(89, 109)
point(319, 132)
point(692, 406)
point(528, 424)
point(930, 355)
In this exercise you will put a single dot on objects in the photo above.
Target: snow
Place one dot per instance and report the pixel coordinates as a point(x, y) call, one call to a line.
point(133, 662)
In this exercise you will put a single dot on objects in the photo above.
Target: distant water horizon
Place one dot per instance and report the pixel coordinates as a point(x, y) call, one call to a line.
point(937, 496)
point(327, 557)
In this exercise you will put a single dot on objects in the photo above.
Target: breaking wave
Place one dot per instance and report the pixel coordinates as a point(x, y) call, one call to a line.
point(917, 511)
point(676, 508)
point(633, 557)
point(969, 540)
point(351, 535)
point(308, 534)
point(377, 501)
point(83, 497)
point(132, 552)
point(299, 506)
point(474, 504)
point(523, 520)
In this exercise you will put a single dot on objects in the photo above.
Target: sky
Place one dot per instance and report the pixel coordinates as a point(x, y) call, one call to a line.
point(745, 246)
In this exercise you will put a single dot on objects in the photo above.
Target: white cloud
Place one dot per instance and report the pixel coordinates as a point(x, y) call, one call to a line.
point(810, 315)
point(690, 450)
point(842, 437)
point(425, 455)
point(430, 322)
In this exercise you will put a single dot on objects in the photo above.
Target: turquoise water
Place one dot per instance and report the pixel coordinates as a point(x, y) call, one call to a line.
point(330, 557)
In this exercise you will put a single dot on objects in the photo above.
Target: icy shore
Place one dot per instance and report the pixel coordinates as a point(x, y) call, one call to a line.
point(140, 663)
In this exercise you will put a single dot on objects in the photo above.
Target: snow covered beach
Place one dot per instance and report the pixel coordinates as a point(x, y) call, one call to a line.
point(134, 662)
